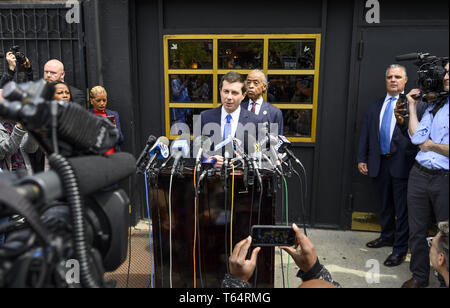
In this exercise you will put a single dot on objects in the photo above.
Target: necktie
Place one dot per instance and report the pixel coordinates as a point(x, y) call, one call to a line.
point(227, 128)
point(254, 107)
point(385, 130)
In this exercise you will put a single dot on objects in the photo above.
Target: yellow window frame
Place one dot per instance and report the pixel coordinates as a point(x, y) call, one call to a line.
point(215, 72)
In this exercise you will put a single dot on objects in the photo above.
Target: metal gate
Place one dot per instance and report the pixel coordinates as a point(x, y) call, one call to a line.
point(43, 32)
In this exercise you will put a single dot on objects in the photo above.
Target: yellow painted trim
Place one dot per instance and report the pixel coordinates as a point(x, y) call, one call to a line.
point(294, 106)
point(216, 71)
point(291, 72)
point(190, 72)
point(190, 105)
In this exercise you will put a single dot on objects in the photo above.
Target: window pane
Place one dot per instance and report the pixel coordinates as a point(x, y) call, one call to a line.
point(219, 78)
point(291, 54)
point(184, 115)
point(297, 122)
point(191, 88)
point(296, 89)
point(190, 54)
point(241, 54)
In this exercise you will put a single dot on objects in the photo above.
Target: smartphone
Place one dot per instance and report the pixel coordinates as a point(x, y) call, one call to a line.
point(267, 235)
point(112, 119)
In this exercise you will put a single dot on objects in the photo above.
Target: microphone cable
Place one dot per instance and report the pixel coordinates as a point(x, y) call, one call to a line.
point(195, 226)
point(287, 224)
point(149, 230)
point(232, 209)
point(170, 230)
point(302, 200)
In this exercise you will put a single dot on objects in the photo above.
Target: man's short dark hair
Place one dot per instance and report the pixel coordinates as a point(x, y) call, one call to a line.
point(442, 243)
point(232, 77)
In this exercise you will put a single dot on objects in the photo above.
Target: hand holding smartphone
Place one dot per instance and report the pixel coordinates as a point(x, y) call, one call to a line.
point(268, 235)
point(112, 119)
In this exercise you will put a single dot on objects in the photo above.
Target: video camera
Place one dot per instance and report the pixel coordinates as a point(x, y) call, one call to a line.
point(72, 214)
point(430, 74)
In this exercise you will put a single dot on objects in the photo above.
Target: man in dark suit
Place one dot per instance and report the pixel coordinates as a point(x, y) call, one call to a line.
point(54, 71)
point(229, 119)
point(269, 115)
point(386, 154)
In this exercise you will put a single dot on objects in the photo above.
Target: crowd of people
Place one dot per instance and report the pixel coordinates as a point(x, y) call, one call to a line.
point(407, 158)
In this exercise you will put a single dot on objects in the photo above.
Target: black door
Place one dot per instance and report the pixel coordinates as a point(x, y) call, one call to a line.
point(378, 48)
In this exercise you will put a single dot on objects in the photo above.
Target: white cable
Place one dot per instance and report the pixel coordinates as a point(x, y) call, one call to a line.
point(170, 229)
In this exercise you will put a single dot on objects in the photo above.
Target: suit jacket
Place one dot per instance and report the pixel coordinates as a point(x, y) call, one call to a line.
point(402, 150)
point(116, 115)
point(77, 96)
point(269, 114)
point(214, 116)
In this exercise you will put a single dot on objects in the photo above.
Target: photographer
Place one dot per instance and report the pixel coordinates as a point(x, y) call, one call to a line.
point(312, 273)
point(12, 68)
point(428, 184)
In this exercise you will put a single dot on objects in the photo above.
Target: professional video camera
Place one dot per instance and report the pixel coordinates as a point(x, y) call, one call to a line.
point(430, 75)
point(71, 219)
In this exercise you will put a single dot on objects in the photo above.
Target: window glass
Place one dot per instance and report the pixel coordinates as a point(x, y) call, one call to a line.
point(297, 122)
point(191, 88)
point(190, 54)
point(185, 116)
point(291, 54)
point(241, 54)
point(296, 89)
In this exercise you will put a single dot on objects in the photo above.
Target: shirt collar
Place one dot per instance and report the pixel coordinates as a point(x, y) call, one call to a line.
point(258, 102)
point(234, 115)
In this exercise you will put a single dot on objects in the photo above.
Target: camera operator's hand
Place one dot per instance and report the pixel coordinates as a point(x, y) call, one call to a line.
point(239, 266)
point(399, 112)
point(306, 257)
point(12, 61)
point(414, 97)
point(363, 169)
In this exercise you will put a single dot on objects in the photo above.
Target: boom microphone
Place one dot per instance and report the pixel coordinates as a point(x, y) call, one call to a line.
point(408, 57)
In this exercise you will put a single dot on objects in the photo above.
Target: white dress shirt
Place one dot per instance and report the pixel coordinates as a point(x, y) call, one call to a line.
point(259, 103)
point(234, 120)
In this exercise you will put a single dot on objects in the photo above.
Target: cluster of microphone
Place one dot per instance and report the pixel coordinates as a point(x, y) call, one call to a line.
point(270, 153)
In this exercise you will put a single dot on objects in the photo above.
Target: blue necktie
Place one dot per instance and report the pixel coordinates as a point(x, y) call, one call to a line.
point(385, 130)
point(227, 128)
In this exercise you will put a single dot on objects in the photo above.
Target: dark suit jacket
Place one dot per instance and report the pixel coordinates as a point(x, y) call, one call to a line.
point(78, 96)
point(214, 116)
point(116, 115)
point(269, 114)
point(402, 150)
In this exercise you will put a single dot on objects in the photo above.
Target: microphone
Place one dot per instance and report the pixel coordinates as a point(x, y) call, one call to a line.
point(273, 142)
point(223, 143)
point(201, 143)
point(283, 147)
point(158, 150)
point(144, 154)
point(96, 172)
point(180, 149)
point(409, 56)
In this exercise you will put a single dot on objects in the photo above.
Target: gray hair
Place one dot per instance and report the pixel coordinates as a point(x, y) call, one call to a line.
point(264, 76)
point(396, 66)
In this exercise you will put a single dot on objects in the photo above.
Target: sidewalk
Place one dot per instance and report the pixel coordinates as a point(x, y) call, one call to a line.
point(345, 255)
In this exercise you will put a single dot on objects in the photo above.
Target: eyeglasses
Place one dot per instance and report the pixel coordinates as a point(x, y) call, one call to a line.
point(430, 241)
